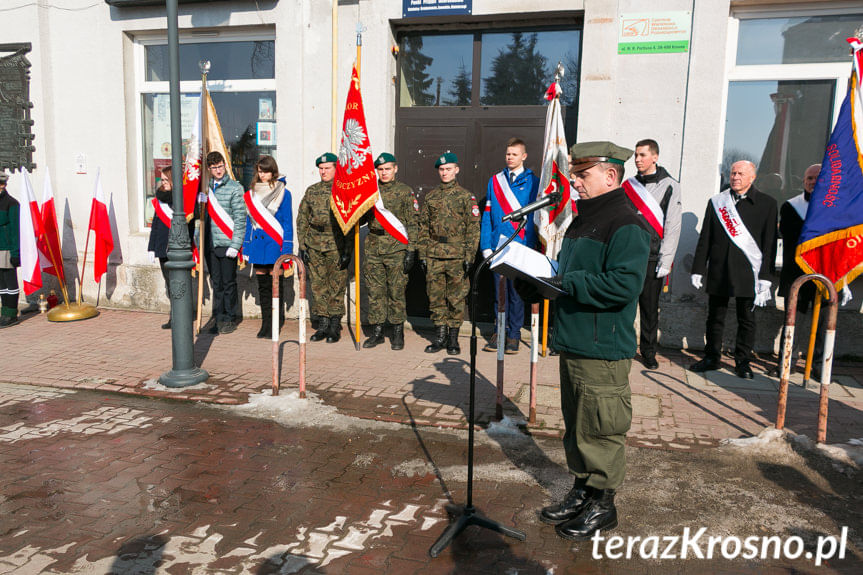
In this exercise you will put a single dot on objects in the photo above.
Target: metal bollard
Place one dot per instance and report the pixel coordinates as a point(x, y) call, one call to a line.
point(787, 347)
point(501, 343)
point(534, 354)
point(301, 277)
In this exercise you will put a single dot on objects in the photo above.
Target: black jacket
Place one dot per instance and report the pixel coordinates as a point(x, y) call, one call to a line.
point(790, 226)
point(728, 271)
point(159, 232)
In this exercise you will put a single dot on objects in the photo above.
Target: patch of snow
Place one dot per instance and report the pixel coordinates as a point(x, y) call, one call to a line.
point(845, 457)
point(154, 384)
point(506, 426)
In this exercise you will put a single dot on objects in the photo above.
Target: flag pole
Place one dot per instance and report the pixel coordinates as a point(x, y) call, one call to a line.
point(54, 263)
point(86, 247)
point(204, 184)
point(357, 227)
point(335, 70)
point(544, 328)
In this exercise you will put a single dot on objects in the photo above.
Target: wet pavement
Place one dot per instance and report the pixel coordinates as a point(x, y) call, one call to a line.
point(99, 482)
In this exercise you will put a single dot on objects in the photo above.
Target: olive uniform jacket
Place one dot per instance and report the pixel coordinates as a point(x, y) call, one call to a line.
point(449, 224)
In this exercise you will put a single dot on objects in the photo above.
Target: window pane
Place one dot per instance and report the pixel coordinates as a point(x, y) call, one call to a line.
point(796, 40)
point(782, 127)
point(246, 119)
point(436, 70)
point(228, 61)
point(518, 66)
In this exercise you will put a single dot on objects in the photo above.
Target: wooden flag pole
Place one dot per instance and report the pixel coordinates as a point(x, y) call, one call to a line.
point(335, 70)
point(84, 263)
point(357, 228)
point(816, 312)
point(54, 263)
point(544, 328)
point(204, 185)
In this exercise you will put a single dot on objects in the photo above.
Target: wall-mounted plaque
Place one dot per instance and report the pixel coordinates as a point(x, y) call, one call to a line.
point(16, 127)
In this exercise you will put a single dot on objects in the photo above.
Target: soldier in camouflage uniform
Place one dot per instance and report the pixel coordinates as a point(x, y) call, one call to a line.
point(323, 250)
point(388, 261)
point(448, 240)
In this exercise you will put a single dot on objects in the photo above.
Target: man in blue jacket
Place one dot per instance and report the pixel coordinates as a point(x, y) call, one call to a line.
point(508, 190)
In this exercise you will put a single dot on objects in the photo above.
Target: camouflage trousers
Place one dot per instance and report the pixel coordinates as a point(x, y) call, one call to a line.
point(386, 282)
point(597, 412)
point(447, 288)
point(327, 282)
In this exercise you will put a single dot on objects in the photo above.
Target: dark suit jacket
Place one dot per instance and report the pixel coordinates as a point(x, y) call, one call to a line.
point(728, 271)
point(790, 226)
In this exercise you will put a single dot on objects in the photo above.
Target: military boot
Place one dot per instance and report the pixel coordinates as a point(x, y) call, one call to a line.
point(335, 332)
point(265, 295)
point(571, 505)
point(439, 342)
point(377, 336)
point(397, 341)
point(452, 347)
point(599, 514)
point(323, 329)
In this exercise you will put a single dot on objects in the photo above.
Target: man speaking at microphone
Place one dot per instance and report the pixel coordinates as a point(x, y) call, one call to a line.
point(601, 267)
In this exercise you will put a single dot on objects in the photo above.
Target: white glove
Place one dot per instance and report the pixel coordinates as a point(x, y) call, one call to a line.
point(202, 198)
point(845, 295)
point(661, 272)
point(762, 293)
point(696, 281)
point(486, 253)
point(151, 256)
point(231, 252)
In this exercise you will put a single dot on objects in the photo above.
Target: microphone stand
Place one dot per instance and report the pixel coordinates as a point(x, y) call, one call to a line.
point(469, 515)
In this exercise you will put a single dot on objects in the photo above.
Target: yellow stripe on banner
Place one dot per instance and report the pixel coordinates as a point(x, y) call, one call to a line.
point(828, 239)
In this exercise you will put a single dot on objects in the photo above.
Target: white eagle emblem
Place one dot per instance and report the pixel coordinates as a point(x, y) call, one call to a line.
point(351, 152)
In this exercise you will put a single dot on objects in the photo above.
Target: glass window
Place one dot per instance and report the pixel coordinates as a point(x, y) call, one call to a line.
point(518, 66)
point(781, 126)
point(228, 60)
point(796, 40)
point(436, 70)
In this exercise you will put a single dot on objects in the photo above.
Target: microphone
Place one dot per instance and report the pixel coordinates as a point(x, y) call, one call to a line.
point(548, 200)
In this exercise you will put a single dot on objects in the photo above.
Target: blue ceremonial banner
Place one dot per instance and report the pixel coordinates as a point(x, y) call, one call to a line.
point(831, 242)
point(414, 8)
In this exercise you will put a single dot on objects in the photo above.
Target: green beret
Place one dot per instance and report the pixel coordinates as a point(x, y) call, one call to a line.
point(324, 158)
point(587, 154)
point(446, 158)
point(385, 158)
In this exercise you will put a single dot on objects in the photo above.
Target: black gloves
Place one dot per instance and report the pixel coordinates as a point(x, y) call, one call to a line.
point(16, 262)
point(556, 281)
point(410, 260)
point(466, 267)
point(304, 255)
point(424, 266)
point(344, 260)
point(527, 291)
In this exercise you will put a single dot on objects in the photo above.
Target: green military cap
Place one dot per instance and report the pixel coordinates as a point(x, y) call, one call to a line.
point(324, 158)
point(587, 154)
point(385, 158)
point(446, 158)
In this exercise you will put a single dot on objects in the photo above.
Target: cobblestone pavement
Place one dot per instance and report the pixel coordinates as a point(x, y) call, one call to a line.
point(98, 482)
point(126, 351)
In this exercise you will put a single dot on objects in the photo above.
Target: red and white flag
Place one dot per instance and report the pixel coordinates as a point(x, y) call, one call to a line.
point(192, 167)
point(390, 222)
point(30, 230)
point(100, 225)
point(551, 224)
point(50, 255)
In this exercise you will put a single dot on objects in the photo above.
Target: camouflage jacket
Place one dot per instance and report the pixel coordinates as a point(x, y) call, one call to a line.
point(449, 224)
point(400, 200)
point(317, 227)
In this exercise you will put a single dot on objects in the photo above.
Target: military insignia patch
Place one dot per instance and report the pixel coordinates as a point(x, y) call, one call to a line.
point(442, 160)
point(475, 211)
point(416, 205)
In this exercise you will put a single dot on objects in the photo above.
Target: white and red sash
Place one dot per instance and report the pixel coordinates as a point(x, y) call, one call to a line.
point(506, 198)
point(220, 216)
point(390, 222)
point(263, 218)
point(800, 205)
point(646, 204)
point(728, 216)
point(163, 211)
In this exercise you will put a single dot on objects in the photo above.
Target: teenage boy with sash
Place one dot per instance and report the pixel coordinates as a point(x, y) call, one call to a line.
point(226, 226)
point(656, 195)
point(508, 190)
point(736, 249)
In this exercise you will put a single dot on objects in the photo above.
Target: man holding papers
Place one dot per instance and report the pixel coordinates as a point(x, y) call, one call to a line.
point(601, 268)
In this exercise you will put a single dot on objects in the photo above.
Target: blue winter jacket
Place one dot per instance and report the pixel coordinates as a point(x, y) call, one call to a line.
point(525, 188)
point(258, 247)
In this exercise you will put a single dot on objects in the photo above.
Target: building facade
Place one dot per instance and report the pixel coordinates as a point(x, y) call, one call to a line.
point(712, 81)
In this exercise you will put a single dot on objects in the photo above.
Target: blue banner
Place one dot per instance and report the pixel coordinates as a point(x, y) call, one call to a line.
point(415, 8)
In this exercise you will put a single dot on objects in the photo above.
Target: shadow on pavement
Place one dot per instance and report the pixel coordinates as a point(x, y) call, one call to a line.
point(141, 556)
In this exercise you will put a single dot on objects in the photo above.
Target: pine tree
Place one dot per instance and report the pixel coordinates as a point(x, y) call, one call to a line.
point(518, 74)
point(416, 79)
point(461, 87)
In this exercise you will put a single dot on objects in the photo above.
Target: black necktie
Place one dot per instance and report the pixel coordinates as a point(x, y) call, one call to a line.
point(512, 177)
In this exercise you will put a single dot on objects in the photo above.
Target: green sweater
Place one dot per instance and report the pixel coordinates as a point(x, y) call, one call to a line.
point(602, 264)
point(9, 224)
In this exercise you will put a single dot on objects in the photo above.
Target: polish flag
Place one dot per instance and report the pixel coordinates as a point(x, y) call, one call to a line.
point(192, 167)
point(101, 227)
point(49, 243)
point(30, 229)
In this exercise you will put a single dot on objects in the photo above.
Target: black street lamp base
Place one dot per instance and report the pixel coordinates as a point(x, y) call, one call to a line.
point(470, 516)
point(183, 377)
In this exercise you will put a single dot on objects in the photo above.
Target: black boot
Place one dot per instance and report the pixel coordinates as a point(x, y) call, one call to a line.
point(452, 347)
point(335, 332)
point(571, 505)
point(377, 336)
point(323, 329)
point(397, 341)
point(265, 301)
point(439, 342)
point(599, 514)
